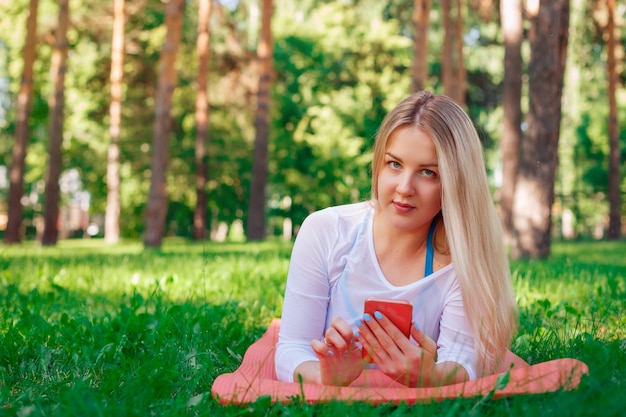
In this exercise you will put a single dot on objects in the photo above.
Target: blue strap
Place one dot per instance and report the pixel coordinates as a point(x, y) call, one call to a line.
point(430, 252)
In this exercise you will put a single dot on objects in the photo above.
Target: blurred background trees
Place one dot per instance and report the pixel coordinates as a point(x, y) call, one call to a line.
point(337, 67)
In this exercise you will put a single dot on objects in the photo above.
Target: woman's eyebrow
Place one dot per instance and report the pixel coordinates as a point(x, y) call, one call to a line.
point(428, 164)
point(393, 156)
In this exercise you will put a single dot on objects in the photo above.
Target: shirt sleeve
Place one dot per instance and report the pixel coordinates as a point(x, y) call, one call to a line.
point(306, 295)
point(456, 341)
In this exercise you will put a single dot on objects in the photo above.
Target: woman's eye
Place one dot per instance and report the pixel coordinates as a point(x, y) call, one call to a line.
point(429, 173)
point(394, 164)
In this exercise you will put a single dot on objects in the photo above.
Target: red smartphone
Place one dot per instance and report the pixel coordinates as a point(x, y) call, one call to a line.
point(400, 312)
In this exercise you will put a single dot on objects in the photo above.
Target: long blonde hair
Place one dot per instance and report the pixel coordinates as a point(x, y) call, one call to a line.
point(470, 220)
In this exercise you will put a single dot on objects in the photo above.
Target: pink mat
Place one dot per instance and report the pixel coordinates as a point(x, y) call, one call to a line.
point(255, 377)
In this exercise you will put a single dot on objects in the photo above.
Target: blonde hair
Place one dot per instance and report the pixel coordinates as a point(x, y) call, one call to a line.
point(470, 220)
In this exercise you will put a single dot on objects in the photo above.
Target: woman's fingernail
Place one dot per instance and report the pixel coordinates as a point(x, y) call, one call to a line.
point(417, 327)
point(367, 317)
point(378, 315)
point(359, 323)
point(357, 333)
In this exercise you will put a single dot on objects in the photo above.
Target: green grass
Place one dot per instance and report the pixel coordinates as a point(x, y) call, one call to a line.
point(88, 329)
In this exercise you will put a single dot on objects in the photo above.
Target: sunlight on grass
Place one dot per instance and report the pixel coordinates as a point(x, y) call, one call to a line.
point(577, 283)
point(199, 272)
point(574, 305)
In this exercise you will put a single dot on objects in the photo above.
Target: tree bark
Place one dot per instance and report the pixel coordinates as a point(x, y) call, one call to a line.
point(461, 72)
point(452, 66)
point(13, 232)
point(256, 214)
point(157, 200)
point(615, 226)
point(57, 107)
point(203, 48)
point(113, 208)
point(447, 61)
point(534, 193)
point(419, 69)
point(511, 21)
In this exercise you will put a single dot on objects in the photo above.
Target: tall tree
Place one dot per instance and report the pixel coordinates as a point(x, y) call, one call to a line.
point(12, 233)
point(452, 66)
point(460, 70)
point(447, 59)
point(256, 214)
point(512, 28)
point(419, 68)
point(157, 200)
point(614, 149)
point(534, 191)
point(113, 208)
point(57, 107)
point(203, 49)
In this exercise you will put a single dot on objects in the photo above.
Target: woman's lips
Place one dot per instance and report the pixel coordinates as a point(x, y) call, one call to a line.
point(402, 207)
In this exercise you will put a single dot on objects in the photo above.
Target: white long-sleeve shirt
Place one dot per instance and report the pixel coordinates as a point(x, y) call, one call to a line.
point(334, 268)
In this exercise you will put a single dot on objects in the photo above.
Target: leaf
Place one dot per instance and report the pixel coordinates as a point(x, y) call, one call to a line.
point(195, 400)
point(571, 310)
point(234, 354)
point(103, 351)
point(503, 380)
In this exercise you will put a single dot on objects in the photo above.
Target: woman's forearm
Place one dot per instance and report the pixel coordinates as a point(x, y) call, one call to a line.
point(308, 372)
point(447, 373)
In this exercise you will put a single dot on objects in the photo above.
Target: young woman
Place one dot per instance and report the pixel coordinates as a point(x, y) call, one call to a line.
point(430, 235)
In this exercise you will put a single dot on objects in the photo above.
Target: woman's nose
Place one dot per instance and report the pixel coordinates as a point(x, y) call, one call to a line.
point(405, 184)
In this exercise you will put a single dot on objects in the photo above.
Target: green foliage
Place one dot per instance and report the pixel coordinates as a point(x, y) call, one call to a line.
point(336, 80)
point(102, 330)
point(339, 67)
point(582, 181)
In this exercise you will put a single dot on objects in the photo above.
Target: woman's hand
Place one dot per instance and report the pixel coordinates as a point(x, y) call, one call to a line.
point(340, 357)
point(410, 364)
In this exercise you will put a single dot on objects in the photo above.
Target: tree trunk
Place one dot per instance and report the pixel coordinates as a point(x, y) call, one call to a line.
point(461, 73)
point(419, 69)
point(157, 200)
point(534, 192)
point(256, 214)
point(447, 61)
point(615, 226)
point(112, 216)
point(453, 75)
point(13, 232)
point(511, 20)
point(203, 46)
point(57, 106)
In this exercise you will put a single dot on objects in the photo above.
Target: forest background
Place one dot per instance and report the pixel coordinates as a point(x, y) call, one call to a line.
point(335, 69)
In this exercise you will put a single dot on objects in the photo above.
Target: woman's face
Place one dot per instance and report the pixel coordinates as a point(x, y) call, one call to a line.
point(409, 187)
